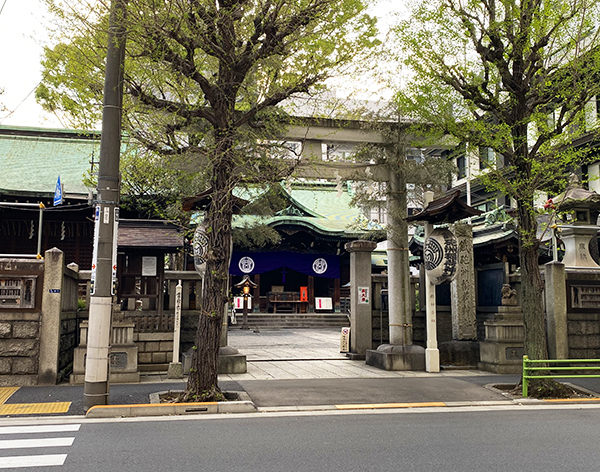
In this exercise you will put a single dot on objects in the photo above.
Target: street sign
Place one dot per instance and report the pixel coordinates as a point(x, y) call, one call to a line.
point(95, 249)
point(345, 340)
point(58, 193)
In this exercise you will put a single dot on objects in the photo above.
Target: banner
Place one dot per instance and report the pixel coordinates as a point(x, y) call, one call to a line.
point(317, 265)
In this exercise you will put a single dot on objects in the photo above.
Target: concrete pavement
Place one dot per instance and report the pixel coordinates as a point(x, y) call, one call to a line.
point(288, 370)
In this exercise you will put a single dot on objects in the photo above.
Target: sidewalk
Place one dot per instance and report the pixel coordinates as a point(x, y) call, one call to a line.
point(291, 369)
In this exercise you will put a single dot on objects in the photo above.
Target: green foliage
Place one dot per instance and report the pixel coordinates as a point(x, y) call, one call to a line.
point(255, 236)
point(514, 76)
point(203, 82)
point(197, 73)
point(428, 172)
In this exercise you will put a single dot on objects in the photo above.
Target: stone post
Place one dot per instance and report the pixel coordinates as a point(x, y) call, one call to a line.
point(51, 308)
point(556, 310)
point(463, 287)
point(361, 337)
point(463, 349)
point(432, 353)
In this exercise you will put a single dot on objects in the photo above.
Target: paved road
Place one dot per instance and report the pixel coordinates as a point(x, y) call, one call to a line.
point(549, 440)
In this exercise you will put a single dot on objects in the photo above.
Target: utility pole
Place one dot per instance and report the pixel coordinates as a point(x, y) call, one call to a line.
point(96, 386)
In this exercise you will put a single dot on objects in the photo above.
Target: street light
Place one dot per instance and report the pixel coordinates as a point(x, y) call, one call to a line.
point(246, 284)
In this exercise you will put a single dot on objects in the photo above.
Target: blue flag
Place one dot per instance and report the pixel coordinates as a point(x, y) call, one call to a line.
point(58, 193)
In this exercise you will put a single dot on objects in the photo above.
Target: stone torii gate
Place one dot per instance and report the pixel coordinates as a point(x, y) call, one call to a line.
point(313, 133)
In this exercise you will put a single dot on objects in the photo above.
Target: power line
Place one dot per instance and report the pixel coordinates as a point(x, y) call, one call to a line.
point(22, 101)
point(3, 6)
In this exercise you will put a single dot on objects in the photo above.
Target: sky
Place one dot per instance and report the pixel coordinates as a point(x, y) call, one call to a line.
point(23, 35)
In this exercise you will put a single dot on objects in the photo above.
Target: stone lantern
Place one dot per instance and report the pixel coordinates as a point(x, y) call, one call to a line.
point(579, 209)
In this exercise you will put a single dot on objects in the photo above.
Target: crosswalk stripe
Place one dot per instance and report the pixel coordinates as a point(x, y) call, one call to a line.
point(32, 461)
point(52, 428)
point(29, 443)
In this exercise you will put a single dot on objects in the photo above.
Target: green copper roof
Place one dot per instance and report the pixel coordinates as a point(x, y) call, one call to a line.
point(325, 201)
point(330, 210)
point(33, 158)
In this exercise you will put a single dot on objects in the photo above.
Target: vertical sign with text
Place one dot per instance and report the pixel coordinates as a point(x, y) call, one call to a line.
point(95, 250)
point(363, 295)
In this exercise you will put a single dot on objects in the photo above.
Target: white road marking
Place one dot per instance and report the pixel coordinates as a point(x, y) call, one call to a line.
point(30, 443)
point(32, 461)
point(54, 428)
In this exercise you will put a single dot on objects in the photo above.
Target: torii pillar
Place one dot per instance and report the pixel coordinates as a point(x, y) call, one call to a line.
point(399, 356)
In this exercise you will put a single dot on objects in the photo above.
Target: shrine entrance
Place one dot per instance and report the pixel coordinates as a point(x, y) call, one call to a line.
point(290, 282)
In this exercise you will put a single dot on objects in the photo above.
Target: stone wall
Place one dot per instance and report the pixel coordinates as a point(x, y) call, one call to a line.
point(68, 343)
point(19, 326)
point(38, 319)
point(155, 350)
point(583, 314)
point(68, 322)
point(584, 336)
point(189, 328)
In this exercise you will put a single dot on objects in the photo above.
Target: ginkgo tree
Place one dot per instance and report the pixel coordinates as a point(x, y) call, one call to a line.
point(516, 76)
point(203, 81)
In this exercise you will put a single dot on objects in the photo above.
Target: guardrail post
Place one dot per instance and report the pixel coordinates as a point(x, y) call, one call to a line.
point(525, 374)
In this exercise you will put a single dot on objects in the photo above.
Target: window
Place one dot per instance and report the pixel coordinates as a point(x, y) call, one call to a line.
point(462, 168)
point(486, 157)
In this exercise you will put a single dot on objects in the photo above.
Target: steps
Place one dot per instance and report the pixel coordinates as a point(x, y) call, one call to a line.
point(295, 320)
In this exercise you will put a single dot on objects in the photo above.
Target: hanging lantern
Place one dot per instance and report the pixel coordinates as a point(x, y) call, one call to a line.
point(440, 255)
point(200, 248)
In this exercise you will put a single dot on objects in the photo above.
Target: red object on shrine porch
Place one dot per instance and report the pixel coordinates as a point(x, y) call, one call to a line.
point(303, 294)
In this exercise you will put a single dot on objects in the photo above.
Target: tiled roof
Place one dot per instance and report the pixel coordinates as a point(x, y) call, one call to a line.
point(33, 158)
point(329, 212)
point(155, 234)
point(447, 209)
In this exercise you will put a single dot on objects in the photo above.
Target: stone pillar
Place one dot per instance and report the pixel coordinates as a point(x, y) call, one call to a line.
point(361, 338)
point(51, 309)
point(400, 309)
point(231, 361)
point(576, 241)
point(463, 287)
point(312, 150)
point(463, 349)
point(432, 353)
point(400, 353)
point(556, 310)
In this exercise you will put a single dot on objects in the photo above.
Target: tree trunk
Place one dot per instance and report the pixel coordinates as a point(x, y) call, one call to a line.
point(202, 382)
point(531, 284)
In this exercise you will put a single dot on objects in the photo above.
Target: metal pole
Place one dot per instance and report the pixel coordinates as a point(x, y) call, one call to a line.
point(96, 386)
point(39, 241)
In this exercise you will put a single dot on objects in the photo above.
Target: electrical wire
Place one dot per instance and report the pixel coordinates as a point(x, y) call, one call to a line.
point(22, 101)
point(3, 6)
point(75, 207)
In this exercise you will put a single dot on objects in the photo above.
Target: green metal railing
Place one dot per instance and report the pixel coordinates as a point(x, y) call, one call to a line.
point(528, 370)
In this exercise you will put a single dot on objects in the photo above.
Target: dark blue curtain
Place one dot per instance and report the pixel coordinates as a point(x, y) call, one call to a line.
point(318, 265)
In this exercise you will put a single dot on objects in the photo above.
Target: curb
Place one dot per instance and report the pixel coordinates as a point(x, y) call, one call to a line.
point(382, 406)
point(155, 408)
point(168, 409)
